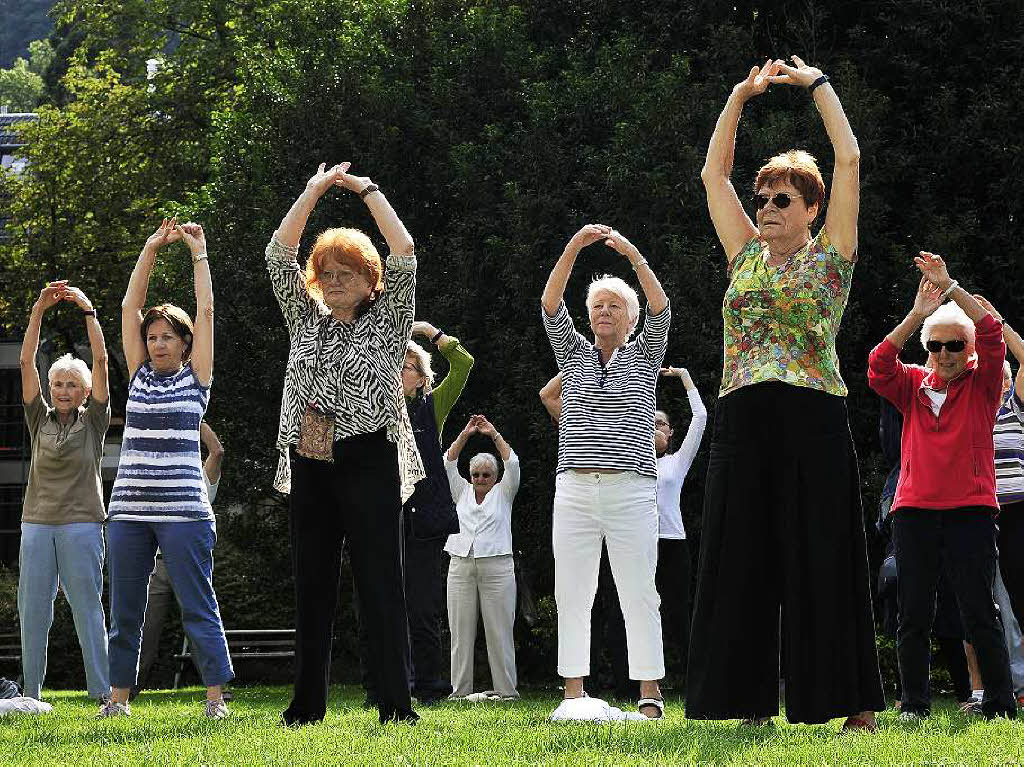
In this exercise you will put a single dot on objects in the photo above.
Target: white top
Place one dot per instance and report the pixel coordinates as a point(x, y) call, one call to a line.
point(936, 399)
point(485, 529)
point(672, 470)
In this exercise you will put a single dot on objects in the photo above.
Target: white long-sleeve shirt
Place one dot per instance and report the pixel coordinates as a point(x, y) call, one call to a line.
point(672, 470)
point(485, 529)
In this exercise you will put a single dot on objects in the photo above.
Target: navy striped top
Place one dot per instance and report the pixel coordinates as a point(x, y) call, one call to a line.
point(607, 419)
point(160, 472)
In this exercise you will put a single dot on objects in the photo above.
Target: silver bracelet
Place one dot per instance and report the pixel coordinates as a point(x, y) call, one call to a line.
point(952, 286)
point(200, 257)
point(639, 263)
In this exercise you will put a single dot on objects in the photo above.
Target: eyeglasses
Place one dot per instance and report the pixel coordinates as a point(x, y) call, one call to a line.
point(342, 278)
point(953, 346)
point(480, 474)
point(780, 200)
point(411, 368)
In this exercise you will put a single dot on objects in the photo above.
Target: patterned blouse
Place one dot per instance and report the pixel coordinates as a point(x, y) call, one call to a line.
point(350, 369)
point(781, 322)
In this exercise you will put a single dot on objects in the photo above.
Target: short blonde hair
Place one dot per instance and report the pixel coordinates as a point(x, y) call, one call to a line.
point(950, 315)
point(346, 246)
point(620, 288)
point(74, 367)
point(800, 169)
point(484, 458)
point(423, 366)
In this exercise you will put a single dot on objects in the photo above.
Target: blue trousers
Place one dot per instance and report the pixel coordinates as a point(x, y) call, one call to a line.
point(188, 554)
point(72, 554)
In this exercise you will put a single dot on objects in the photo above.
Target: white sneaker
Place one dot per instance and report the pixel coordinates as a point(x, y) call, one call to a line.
point(110, 708)
point(910, 717)
point(216, 709)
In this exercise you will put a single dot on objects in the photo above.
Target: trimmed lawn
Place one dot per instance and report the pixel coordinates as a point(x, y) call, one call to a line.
point(167, 727)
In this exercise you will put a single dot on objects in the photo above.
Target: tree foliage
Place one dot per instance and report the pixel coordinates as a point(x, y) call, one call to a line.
point(498, 129)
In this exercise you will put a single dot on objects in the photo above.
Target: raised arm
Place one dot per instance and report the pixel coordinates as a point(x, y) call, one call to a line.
point(398, 238)
point(933, 267)
point(1014, 343)
point(653, 292)
point(289, 231)
point(844, 198)
point(214, 452)
point(551, 397)
point(460, 363)
point(202, 338)
point(135, 295)
point(49, 297)
point(486, 428)
point(691, 442)
point(100, 390)
point(559, 277)
point(732, 224)
point(470, 429)
point(927, 299)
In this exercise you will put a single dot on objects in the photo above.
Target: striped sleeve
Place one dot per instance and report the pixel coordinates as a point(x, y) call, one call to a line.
point(565, 340)
point(653, 339)
point(397, 305)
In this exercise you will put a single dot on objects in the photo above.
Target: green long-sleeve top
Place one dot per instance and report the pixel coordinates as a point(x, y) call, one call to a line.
point(447, 393)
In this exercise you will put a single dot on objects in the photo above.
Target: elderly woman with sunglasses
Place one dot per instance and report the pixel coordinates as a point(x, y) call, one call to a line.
point(348, 455)
point(481, 576)
point(783, 466)
point(607, 476)
point(945, 502)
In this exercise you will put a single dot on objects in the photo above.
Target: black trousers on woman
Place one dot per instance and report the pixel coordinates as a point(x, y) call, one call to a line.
point(963, 542)
point(357, 497)
point(1011, 554)
point(673, 581)
point(782, 547)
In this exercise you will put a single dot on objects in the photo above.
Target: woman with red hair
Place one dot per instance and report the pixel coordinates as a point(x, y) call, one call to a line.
point(783, 561)
point(348, 455)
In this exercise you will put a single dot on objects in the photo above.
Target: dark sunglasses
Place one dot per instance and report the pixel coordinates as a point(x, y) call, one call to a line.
point(781, 200)
point(953, 346)
point(480, 474)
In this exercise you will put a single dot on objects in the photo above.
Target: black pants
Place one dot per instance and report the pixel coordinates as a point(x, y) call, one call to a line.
point(356, 497)
point(1011, 554)
point(782, 546)
point(673, 581)
point(424, 598)
point(963, 541)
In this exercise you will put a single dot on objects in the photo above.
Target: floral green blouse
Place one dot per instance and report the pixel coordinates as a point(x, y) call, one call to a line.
point(781, 322)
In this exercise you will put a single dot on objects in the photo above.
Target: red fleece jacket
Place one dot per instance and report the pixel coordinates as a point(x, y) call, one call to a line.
point(948, 460)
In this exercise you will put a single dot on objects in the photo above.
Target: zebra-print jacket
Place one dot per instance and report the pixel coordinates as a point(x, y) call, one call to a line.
point(350, 369)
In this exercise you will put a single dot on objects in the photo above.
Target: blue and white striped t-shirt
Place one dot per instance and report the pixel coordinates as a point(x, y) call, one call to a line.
point(607, 419)
point(160, 473)
point(1008, 440)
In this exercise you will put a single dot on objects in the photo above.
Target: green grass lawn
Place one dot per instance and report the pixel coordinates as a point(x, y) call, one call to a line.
point(167, 727)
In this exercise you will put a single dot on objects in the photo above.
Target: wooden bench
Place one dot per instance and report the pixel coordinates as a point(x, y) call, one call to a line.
point(10, 655)
point(245, 643)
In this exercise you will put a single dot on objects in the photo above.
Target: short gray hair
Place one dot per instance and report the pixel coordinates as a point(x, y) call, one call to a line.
point(481, 458)
point(72, 366)
point(620, 288)
point(948, 315)
point(422, 363)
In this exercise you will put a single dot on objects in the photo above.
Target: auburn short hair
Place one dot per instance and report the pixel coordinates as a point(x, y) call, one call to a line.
point(346, 246)
point(179, 321)
point(800, 169)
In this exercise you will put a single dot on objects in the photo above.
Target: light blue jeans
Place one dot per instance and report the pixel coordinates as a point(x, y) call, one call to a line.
point(72, 554)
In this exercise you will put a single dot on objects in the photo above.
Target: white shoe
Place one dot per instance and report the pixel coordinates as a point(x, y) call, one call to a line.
point(910, 717)
point(110, 708)
point(216, 709)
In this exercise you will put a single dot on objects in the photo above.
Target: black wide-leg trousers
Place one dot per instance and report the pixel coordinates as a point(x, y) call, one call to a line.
point(357, 497)
point(783, 568)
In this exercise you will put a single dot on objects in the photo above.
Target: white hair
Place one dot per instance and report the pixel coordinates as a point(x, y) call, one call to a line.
point(423, 363)
point(620, 288)
point(72, 366)
point(480, 459)
point(949, 315)
point(1007, 370)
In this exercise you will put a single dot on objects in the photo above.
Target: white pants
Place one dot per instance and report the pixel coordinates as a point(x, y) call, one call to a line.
point(622, 509)
point(484, 585)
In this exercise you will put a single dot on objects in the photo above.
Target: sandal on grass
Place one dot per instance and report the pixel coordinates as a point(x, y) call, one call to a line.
point(858, 723)
point(758, 721)
point(658, 703)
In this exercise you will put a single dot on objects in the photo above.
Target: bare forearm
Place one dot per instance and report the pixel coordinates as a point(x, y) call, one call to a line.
point(1014, 342)
point(971, 306)
point(138, 283)
point(289, 232)
point(902, 332)
point(203, 283)
point(30, 344)
point(503, 449)
point(456, 446)
point(398, 238)
point(554, 289)
point(655, 294)
point(722, 148)
point(837, 126)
